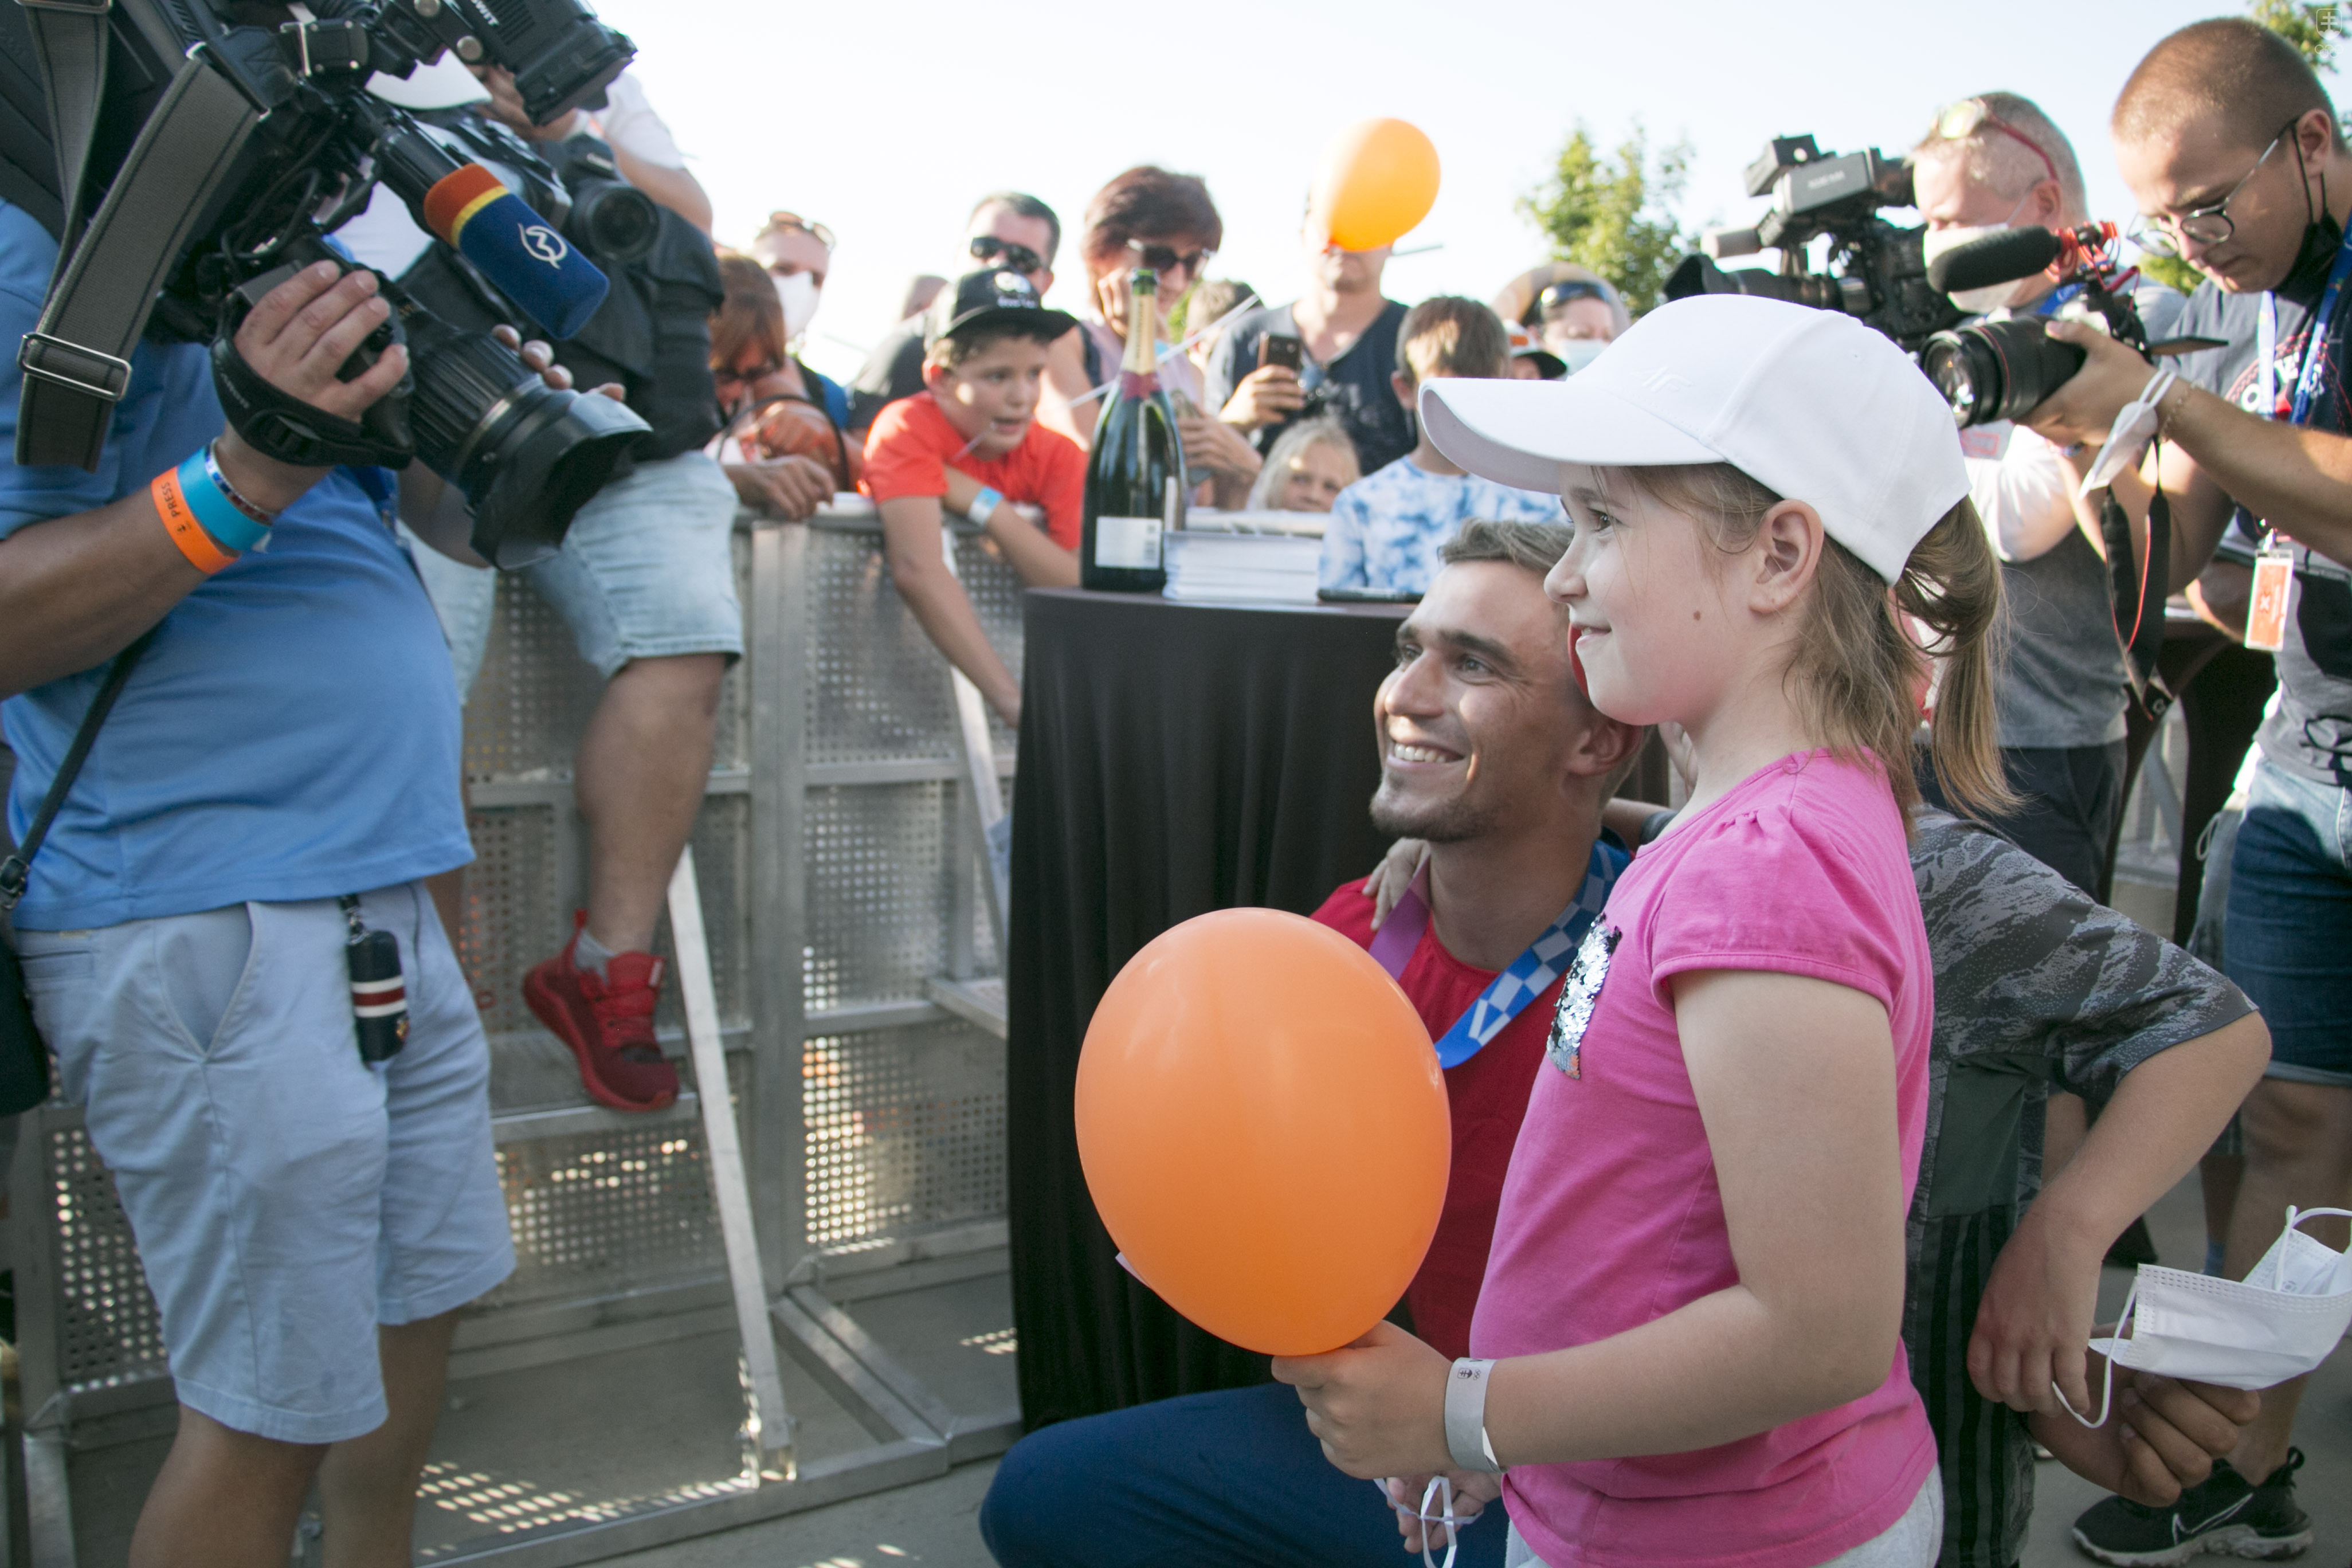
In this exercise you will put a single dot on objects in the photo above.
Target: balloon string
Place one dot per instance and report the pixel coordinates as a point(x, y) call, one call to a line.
point(1441, 1491)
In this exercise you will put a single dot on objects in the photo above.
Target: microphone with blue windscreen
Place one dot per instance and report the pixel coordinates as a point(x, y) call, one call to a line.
point(526, 256)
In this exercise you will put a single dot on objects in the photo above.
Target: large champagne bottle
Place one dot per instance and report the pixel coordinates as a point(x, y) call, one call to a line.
point(1135, 476)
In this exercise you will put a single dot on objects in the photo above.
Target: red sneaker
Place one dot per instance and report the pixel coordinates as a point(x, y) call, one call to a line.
point(608, 1023)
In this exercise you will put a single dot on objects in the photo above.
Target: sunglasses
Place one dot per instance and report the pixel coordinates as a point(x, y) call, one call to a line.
point(1966, 118)
point(757, 372)
point(995, 252)
point(1166, 259)
point(1559, 296)
point(2164, 234)
point(815, 231)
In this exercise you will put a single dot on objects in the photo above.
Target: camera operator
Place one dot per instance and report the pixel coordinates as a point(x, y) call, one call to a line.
point(2234, 153)
point(285, 749)
point(1991, 163)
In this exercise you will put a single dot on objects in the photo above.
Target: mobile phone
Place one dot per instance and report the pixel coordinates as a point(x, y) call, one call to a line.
point(1275, 349)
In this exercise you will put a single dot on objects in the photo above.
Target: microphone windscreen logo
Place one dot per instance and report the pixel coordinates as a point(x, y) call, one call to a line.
point(544, 243)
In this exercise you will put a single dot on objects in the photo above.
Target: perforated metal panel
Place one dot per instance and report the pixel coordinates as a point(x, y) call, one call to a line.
point(877, 689)
point(108, 1330)
point(906, 1129)
point(514, 910)
point(600, 1212)
point(878, 891)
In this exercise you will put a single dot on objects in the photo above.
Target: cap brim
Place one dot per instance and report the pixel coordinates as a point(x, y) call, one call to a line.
point(1519, 433)
point(1049, 323)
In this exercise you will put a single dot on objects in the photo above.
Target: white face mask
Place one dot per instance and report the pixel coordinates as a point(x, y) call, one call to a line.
point(2280, 1321)
point(1578, 353)
point(798, 294)
point(1993, 296)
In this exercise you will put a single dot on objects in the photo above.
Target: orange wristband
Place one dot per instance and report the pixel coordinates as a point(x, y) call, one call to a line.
point(181, 523)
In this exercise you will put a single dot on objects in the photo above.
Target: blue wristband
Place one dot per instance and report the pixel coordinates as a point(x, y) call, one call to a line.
point(983, 505)
point(230, 529)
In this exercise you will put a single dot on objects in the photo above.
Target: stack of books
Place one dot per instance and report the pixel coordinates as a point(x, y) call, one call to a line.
point(1255, 568)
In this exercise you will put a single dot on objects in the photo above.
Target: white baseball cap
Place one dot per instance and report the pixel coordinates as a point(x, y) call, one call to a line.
point(1811, 404)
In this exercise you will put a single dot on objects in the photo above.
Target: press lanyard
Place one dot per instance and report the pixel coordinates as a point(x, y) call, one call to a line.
point(2273, 584)
point(1529, 975)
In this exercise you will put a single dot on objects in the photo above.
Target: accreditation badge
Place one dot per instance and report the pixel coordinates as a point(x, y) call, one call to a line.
point(2273, 594)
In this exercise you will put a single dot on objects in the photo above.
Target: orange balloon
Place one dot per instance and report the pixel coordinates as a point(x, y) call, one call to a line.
point(1264, 1128)
point(1379, 180)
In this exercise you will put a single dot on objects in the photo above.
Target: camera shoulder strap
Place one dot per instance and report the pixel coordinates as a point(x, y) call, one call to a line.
point(77, 363)
point(69, 45)
point(16, 870)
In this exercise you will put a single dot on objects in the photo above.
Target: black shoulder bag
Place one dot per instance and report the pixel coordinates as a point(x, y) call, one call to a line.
point(24, 1060)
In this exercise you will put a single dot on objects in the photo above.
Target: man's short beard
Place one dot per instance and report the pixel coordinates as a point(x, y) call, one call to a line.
point(1442, 822)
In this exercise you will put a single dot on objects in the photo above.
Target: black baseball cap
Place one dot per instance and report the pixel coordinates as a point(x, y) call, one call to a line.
point(995, 296)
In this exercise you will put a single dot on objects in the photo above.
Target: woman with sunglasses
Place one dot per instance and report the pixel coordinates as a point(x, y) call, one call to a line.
point(1573, 312)
point(1145, 217)
point(782, 447)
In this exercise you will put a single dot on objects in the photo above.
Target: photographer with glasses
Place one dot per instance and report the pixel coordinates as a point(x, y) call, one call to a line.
point(1007, 229)
point(1992, 163)
point(2232, 151)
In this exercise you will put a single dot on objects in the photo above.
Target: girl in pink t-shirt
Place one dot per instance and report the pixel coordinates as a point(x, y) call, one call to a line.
point(1686, 1348)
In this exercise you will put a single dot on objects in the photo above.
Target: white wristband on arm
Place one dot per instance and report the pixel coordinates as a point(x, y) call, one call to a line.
point(1465, 1417)
point(984, 506)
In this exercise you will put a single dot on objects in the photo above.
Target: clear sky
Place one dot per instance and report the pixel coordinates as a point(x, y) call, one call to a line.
point(884, 122)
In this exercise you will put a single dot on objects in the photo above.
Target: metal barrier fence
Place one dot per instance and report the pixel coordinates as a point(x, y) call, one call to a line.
point(843, 893)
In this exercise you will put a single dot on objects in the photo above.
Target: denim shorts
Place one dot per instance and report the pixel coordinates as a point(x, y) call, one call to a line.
point(2288, 942)
point(287, 1199)
point(646, 570)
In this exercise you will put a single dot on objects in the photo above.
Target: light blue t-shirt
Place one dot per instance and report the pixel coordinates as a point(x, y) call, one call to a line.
point(1387, 528)
point(293, 732)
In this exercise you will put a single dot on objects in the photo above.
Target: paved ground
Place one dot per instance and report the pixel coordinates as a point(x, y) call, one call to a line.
point(934, 1522)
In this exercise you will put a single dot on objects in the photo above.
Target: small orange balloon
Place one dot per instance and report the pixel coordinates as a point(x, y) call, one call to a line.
point(1264, 1128)
point(1379, 180)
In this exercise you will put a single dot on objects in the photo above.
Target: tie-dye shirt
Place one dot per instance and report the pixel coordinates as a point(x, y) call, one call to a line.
point(1387, 528)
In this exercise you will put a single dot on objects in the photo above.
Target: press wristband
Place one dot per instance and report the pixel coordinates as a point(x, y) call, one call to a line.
point(983, 505)
point(180, 522)
point(231, 529)
point(1465, 1417)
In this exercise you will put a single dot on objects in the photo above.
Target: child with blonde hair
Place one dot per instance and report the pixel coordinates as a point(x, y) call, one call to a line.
point(1687, 1348)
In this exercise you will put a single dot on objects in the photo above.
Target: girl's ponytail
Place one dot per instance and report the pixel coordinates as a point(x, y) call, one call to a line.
point(1951, 586)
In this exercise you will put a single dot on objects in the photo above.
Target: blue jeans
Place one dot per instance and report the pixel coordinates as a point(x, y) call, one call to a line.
point(2289, 945)
point(1232, 1478)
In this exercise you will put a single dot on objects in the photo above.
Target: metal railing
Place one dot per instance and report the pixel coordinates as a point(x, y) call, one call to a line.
point(842, 894)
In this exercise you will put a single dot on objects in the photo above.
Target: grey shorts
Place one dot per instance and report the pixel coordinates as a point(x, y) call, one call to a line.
point(286, 1197)
point(647, 571)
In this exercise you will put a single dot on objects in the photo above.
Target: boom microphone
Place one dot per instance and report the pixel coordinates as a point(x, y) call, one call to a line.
point(526, 256)
point(1996, 258)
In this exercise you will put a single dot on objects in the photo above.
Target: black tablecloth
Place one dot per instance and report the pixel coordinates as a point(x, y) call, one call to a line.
point(1175, 759)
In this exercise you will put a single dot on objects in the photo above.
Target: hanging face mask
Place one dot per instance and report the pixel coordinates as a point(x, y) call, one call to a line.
point(2282, 1321)
point(798, 294)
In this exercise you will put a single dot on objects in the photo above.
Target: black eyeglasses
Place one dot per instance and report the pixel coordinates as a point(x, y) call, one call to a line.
point(997, 252)
point(1166, 259)
point(2163, 234)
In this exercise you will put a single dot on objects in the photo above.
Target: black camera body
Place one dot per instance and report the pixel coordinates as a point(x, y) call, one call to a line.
point(1878, 272)
point(2002, 370)
point(526, 455)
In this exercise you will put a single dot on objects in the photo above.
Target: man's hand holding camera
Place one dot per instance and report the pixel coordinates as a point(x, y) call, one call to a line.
point(296, 339)
point(2113, 375)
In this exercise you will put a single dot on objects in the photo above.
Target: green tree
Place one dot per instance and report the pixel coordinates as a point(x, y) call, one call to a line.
point(1615, 214)
point(2310, 28)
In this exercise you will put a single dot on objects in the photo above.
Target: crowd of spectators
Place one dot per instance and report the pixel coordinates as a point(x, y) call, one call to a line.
point(981, 403)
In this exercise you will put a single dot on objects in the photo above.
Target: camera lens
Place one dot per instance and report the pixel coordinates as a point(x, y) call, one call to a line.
point(613, 222)
point(527, 456)
point(1997, 370)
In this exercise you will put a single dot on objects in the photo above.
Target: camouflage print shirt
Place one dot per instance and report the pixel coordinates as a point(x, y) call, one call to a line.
point(2036, 988)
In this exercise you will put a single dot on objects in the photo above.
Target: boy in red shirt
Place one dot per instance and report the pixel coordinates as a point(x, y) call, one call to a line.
point(971, 442)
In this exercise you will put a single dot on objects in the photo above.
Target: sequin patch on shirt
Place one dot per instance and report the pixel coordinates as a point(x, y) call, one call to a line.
point(1578, 996)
